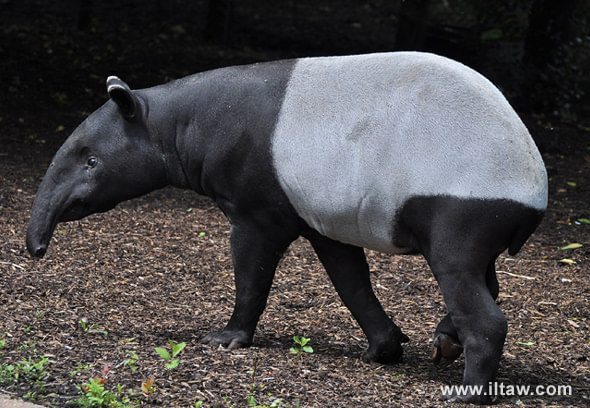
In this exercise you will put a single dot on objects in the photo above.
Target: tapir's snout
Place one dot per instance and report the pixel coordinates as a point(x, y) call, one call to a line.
point(40, 251)
point(37, 241)
point(45, 214)
point(37, 251)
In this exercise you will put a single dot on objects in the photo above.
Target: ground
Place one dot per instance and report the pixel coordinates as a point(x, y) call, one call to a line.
point(159, 268)
point(114, 286)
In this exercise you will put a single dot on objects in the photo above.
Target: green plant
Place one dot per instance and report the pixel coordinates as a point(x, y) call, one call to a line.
point(172, 361)
point(27, 345)
point(148, 387)
point(131, 361)
point(91, 329)
point(251, 399)
point(277, 402)
point(79, 368)
point(94, 395)
point(302, 345)
point(31, 370)
point(7, 373)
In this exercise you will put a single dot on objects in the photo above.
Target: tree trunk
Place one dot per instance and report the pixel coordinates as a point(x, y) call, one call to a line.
point(84, 14)
point(412, 25)
point(219, 21)
point(548, 36)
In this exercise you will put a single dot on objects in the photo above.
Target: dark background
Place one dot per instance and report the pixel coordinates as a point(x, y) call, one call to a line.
point(55, 55)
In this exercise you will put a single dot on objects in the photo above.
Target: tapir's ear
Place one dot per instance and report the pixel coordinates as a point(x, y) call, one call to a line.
point(120, 92)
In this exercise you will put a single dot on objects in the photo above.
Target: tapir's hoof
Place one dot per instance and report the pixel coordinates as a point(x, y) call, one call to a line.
point(387, 352)
point(469, 399)
point(445, 350)
point(230, 339)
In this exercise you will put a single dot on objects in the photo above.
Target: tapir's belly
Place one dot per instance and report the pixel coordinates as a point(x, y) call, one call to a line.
point(358, 136)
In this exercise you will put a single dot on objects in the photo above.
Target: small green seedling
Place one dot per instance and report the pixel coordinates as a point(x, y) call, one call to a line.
point(91, 329)
point(79, 368)
point(302, 345)
point(94, 395)
point(148, 386)
point(131, 361)
point(31, 370)
point(277, 402)
point(83, 325)
point(172, 362)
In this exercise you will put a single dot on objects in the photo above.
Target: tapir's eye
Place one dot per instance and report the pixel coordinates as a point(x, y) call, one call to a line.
point(92, 161)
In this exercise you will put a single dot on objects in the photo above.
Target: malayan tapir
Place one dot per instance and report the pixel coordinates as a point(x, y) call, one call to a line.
point(401, 152)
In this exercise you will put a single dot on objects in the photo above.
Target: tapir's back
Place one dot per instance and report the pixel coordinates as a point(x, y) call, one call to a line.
point(358, 136)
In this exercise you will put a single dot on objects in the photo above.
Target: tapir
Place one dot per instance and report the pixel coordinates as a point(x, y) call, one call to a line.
point(401, 152)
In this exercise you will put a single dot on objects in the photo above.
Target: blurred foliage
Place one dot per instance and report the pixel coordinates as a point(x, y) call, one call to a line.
point(537, 50)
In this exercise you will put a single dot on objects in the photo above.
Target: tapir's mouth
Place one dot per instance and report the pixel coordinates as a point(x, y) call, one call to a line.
point(76, 210)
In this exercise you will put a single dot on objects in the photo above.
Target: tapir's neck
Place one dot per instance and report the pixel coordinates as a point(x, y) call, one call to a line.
point(164, 125)
point(216, 126)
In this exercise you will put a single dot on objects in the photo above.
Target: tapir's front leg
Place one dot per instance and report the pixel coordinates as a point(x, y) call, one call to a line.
point(347, 267)
point(256, 251)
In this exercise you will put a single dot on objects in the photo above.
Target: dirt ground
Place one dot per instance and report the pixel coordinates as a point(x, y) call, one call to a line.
point(114, 286)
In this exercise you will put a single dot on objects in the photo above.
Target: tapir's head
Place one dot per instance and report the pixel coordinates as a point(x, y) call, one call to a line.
point(109, 158)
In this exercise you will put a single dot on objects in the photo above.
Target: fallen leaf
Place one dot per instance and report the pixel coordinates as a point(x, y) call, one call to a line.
point(574, 324)
point(567, 261)
point(571, 246)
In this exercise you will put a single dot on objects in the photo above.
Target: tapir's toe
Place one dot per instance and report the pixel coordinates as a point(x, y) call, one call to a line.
point(230, 339)
point(479, 399)
point(445, 350)
point(387, 352)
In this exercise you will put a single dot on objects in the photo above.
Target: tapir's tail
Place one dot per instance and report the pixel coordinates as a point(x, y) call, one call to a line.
point(529, 222)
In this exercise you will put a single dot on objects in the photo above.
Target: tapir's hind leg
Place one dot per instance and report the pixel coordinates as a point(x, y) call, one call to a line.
point(481, 326)
point(446, 346)
point(460, 239)
point(347, 267)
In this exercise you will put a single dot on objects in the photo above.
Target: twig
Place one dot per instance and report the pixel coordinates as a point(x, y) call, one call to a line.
point(15, 265)
point(517, 276)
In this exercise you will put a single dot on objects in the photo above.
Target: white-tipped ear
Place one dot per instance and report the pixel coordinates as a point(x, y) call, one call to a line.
point(120, 92)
